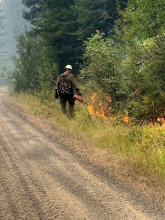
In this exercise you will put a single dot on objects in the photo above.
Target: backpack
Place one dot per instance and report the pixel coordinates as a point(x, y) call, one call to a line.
point(64, 86)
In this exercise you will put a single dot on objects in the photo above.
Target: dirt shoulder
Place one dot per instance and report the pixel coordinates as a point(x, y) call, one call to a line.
point(99, 158)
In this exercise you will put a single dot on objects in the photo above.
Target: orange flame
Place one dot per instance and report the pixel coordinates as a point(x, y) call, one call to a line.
point(103, 110)
point(126, 119)
point(163, 119)
point(109, 98)
point(91, 110)
point(160, 121)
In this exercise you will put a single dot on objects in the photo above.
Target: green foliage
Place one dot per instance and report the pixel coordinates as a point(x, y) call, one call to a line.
point(66, 24)
point(92, 16)
point(58, 27)
point(141, 31)
point(95, 15)
point(35, 10)
point(130, 65)
point(152, 138)
point(103, 65)
point(46, 80)
point(26, 73)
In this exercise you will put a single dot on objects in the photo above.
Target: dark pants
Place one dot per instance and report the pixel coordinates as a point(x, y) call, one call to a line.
point(70, 100)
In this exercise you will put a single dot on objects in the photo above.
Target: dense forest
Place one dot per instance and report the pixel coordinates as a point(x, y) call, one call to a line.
point(118, 46)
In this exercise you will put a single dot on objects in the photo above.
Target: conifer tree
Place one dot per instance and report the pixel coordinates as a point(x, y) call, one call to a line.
point(96, 15)
point(35, 9)
point(58, 27)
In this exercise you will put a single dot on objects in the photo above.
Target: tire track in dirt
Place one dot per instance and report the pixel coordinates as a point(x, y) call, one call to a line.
point(40, 178)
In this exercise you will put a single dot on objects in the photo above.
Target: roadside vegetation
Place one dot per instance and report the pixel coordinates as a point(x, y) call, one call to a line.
point(141, 147)
point(122, 78)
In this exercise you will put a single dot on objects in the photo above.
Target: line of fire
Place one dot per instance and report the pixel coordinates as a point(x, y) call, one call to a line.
point(101, 109)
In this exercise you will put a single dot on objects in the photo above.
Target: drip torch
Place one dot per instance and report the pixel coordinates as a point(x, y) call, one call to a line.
point(80, 99)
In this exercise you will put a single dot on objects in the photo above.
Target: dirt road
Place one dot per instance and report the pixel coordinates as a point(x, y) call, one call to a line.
point(41, 178)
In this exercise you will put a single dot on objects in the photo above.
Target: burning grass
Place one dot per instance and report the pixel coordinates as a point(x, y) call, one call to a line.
point(143, 148)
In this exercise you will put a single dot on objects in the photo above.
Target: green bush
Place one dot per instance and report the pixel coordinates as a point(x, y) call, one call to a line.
point(31, 67)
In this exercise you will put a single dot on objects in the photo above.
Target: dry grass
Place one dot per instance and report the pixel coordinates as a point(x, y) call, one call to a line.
point(3, 89)
point(143, 148)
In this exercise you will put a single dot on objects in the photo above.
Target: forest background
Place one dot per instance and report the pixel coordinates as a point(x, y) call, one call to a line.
point(117, 45)
point(117, 50)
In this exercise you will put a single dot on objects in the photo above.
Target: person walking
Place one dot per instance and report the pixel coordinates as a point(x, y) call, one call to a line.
point(65, 86)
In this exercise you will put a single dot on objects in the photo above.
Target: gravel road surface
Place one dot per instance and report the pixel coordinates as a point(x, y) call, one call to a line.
point(41, 178)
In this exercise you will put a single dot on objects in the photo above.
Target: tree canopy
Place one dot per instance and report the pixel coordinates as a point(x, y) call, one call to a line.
point(136, 55)
point(65, 25)
point(35, 9)
point(58, 27)
point(119, 45)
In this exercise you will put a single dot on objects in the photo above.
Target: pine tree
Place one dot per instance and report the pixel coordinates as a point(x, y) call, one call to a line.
point(35, 10)
point(58, 27)
point(96, 15)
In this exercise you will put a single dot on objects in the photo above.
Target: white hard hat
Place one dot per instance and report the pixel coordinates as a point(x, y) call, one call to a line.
point(69, 67)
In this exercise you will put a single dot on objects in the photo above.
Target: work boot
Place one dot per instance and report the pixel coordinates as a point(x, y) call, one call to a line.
point(63, 106)
point(71, 115)
point(63, 110)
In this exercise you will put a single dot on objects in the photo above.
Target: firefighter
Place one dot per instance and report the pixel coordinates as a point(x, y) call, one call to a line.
point(65, 86)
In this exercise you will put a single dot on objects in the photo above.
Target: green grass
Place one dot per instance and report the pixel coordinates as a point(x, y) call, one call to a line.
point(143, 148)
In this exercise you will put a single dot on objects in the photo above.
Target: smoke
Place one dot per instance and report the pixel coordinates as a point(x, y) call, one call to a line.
point(13, 24)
